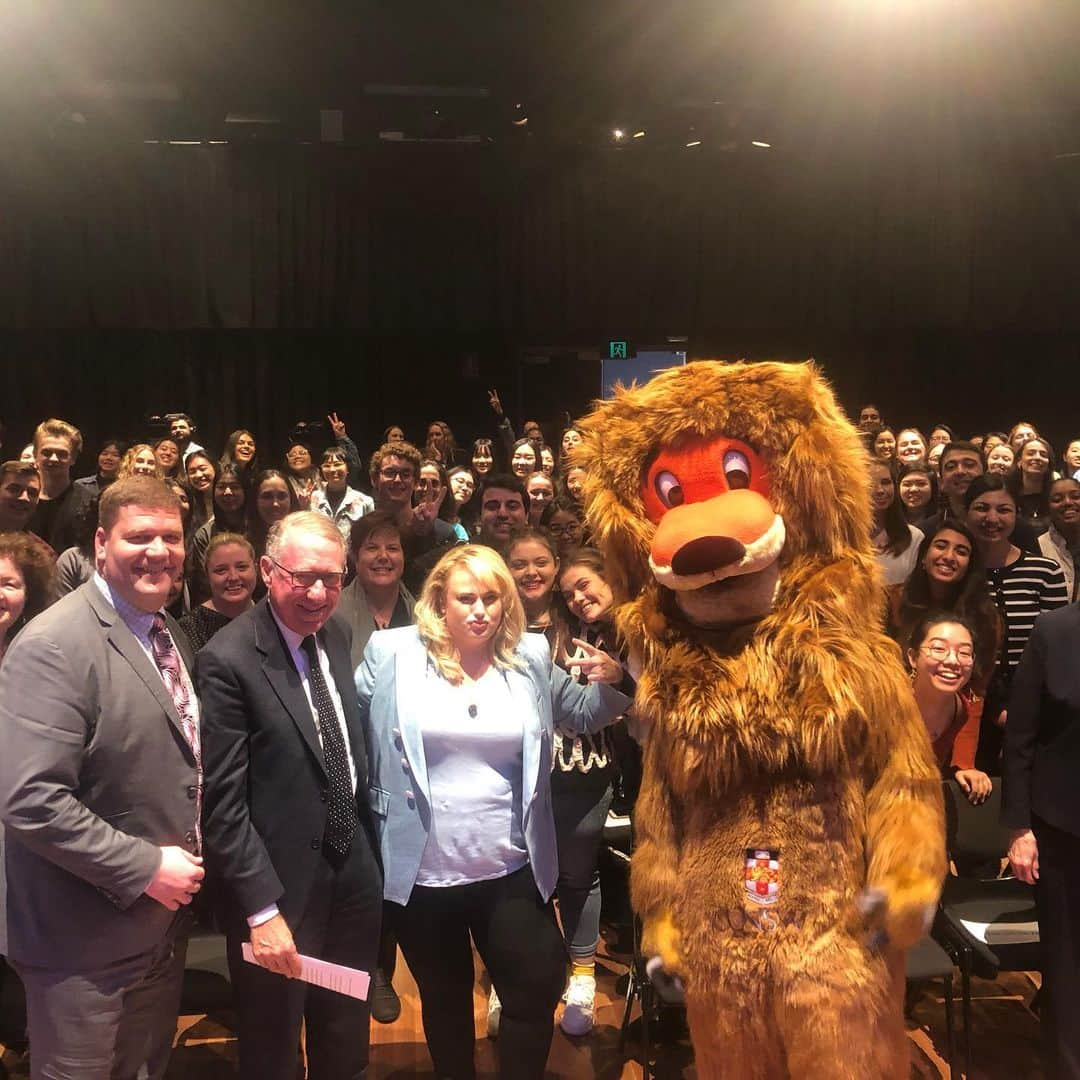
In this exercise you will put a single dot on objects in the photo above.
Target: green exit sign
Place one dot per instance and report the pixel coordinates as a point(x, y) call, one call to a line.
point(619, 350)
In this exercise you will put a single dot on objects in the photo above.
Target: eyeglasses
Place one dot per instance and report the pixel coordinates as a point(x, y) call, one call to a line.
point(964, 654)
point(302, 580)
point(396, 474)
point(564, 530)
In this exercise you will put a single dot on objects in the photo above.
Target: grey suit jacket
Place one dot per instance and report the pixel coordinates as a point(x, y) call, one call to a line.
point(95, 775)
point(353, 608)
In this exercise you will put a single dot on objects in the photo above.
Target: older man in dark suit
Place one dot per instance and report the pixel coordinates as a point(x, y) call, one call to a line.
point(287, 822)
point(100, 789)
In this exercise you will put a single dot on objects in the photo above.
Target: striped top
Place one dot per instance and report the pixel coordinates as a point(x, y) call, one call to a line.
point(1022, 592)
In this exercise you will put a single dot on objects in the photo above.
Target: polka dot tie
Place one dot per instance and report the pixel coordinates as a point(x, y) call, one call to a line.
point(341, 820)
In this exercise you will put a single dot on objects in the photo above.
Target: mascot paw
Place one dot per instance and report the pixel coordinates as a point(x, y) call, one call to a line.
point(897, 917)
point(668, 986)
point(660, 940)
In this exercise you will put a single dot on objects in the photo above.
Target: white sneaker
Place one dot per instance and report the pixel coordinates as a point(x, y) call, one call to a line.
point(494, 1014)
point(578, 1016)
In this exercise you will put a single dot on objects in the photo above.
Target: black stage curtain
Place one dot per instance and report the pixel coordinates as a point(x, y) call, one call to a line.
point(260, 284)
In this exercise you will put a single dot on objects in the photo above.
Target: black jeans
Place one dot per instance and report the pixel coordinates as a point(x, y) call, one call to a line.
point(517, 938)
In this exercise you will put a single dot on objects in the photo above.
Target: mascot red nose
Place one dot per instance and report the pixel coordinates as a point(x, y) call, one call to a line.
point(789, 832)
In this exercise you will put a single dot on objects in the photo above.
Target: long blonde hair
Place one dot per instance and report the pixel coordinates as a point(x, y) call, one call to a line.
point(490, 571)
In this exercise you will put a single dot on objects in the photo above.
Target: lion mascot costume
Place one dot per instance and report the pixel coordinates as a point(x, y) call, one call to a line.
point(789, 832)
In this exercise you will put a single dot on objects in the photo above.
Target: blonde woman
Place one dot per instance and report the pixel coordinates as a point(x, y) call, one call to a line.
point(140, 460)
point(462, 708)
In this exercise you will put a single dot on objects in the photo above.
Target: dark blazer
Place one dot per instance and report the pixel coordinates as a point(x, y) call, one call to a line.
point(95, 776)
point(266, 798)
point(1042, 735)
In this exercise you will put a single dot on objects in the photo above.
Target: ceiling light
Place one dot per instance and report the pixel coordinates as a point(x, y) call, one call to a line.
point(618, 134)
point(763, 145)
point(639, 135)
point(695, 142)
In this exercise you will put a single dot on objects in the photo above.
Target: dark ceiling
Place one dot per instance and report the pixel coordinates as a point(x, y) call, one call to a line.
point(579, 68)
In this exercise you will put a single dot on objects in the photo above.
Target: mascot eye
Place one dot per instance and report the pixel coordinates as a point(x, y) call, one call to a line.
point(668, 488)
point(736, 470)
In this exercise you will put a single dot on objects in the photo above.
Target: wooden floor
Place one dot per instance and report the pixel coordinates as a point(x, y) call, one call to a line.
point(1005, 1035)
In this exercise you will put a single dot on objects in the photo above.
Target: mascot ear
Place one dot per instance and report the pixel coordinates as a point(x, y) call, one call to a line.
point(829, 513)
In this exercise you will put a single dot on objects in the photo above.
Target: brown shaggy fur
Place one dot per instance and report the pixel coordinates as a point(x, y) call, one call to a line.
point(799, 733)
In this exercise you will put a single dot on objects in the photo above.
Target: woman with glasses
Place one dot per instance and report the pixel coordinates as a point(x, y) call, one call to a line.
point(563, 519)
point(941, 658)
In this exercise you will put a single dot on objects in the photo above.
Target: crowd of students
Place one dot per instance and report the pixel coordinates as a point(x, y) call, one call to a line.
point(977, 538)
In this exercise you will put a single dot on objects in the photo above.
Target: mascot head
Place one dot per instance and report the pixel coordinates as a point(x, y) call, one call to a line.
point(715, 483)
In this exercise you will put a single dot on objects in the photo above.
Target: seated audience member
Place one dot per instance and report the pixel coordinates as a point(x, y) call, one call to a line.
point(949, 576)
point(574, 482)
point(183, 497)
point(570, 440)
point(229, 568)
point(272, 498)
point(916, 486)
point(182, 428)
point(348, 448)
point(462, 511)
point(1070, 460)
point(483, 458)
point(167, 453)
point(547, 460)
point(76, 565)
point(940, 435)
point(976, 441)
point(20, 488)
point(1030, 482)
point(1023, 587)
point(883, 444)
point(27, 584)
point(524, 459)
point(440, 444)
point(300, 470)
point(433, 487)
point(960, 463)
point(108, 467)
point(562, 518)
point(344, 505)
point(228, 516)
point(541, 491)
point(910, 447)
point(240, 451)
point(894, 541)
point(460, 859)
point(28, 457)
point(1000, 459)
point(992, 439)
point(941, 655)
point(504, 506)
point(869, 418)
point(1019, 434)
point(201, 475)
point(56, 449)
point(395, 433)
point(139, 460)
point(1061, 541)
point(933, 457)
point(395, 471)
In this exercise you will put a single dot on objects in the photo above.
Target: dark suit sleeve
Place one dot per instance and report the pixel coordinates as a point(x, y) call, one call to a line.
point(1021, 731)
point(46, 715)
point(236, 849)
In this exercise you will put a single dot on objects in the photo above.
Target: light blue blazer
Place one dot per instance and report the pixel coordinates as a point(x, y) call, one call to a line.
point(393, 683)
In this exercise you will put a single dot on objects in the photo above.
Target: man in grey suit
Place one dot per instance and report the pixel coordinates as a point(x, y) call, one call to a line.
point(100, 794)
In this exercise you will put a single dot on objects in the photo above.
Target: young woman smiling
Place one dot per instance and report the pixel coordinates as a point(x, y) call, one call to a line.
point(1022, 586)
point(1063, 537)
point(1030, 482)
point(910, 446)
point(895, 542)
point(917, 488)
point(941, 656)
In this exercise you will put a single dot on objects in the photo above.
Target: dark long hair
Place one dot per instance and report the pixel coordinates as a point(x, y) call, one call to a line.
point(896, 526)
point(257, 529)
point(969, 598)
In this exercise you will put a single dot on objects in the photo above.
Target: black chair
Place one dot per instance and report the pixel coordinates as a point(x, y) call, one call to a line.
point(927, 960)
point(985, 922)
point(615, 860)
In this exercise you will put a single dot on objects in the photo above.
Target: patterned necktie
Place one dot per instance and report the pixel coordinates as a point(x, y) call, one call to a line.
point(168, 662)
point(342, 819)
